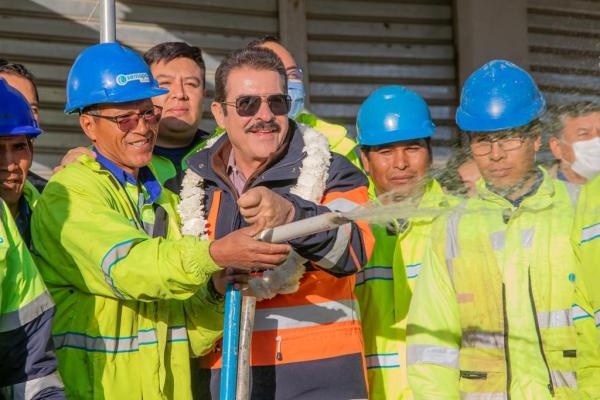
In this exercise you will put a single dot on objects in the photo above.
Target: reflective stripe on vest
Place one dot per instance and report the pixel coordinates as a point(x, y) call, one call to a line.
point(597, 317)
point(16, 319)
point(373, 274)
point(29, 389)
point(113, 256)
point(306, 315)
point(555, 319)
point(579, 313)
point(391, 360)
point(438, 355)
point(485, 340)
point(590, 233)
point(566, 379)
point(127, 344)
point(412, 271)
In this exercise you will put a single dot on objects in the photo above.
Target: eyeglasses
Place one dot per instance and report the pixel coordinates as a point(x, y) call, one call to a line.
point(295, 73)
point(129, 121)
point(484, 147)
point(248, 106)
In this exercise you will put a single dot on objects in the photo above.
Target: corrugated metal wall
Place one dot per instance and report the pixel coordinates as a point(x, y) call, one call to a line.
point(46, 36)
point(564, 48)
point(356, 46)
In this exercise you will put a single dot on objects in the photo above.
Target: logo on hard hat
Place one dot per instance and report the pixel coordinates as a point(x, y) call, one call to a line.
point(123, 79)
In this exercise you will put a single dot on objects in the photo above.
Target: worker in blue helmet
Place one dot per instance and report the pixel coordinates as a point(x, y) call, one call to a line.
point(500, 310)
point(135, 298)
point(16, 156)
point(28, 368)
point(394, 133)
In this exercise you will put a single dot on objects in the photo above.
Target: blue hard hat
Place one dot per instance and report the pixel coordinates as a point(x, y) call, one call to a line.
point(109, 73)
point(499, 96)
point(393, 114)
point(16, 117)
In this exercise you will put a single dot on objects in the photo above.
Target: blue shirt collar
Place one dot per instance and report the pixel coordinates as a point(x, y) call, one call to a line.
point(145, 176)
point(561, 176)
point(532, 191)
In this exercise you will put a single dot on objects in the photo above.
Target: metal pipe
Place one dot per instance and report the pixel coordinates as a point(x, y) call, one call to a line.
point(108, 25)
point(231, 332)
point(245, 346)
point(305, 227)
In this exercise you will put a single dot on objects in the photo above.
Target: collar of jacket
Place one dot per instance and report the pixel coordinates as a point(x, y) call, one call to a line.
point(540, 199)
point(285, 165)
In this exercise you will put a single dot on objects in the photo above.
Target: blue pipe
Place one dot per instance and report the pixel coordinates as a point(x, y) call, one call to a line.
point(233, 301)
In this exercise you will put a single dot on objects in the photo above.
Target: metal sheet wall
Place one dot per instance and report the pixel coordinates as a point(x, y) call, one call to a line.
point(46, 36)
point(356, 46)
point(564, 48)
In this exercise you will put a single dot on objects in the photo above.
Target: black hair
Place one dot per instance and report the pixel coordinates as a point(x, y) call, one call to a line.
point(169, 51)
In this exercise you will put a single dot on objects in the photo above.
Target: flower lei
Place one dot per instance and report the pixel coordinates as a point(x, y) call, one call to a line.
point(309, 186)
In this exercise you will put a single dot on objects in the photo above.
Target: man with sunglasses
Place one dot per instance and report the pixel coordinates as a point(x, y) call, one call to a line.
point(307, 340)
point(500, 310)
point(135, 298)
point(336, 135)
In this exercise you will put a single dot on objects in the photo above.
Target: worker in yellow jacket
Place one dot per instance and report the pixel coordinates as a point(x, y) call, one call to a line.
point(500, 310)
point(397, 157)
point(135, 298)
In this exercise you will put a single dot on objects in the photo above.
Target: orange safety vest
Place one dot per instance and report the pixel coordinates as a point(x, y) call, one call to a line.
point(319, 321)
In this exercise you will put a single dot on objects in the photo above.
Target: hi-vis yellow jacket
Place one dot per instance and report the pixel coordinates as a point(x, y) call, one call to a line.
point(586, 236)
point(499, 311)
point(131, 295)
point(384, 289)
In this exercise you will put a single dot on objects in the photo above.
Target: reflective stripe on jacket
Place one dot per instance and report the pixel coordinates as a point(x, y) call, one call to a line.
point(28, 365)
point(321, 320)
point(132, 302)
point(497, 312)
point(384, 290)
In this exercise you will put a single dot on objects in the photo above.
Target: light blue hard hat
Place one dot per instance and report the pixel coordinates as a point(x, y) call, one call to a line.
point(498, 96)
point(109, 73)
point(16, 117)
point(393, 114)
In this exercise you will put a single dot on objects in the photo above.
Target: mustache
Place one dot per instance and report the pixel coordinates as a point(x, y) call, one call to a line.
point(264, 126)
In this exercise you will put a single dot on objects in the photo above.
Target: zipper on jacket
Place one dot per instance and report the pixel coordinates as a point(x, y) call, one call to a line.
point(279, 356)
point(506, 350)
point(539, 335)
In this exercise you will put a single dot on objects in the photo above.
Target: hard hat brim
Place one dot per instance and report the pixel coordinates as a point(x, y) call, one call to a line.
point(146, 93)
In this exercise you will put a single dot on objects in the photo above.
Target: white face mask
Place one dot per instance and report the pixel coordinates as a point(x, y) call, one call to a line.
point(587, 158)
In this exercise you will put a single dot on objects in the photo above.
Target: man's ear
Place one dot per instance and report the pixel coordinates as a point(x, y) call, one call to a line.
point(88, 124)
point(364, 159)
point(555, 147)
point(217, 111)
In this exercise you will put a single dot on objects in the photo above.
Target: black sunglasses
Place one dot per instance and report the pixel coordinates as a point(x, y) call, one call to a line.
point(247, 106)
point(129, 121)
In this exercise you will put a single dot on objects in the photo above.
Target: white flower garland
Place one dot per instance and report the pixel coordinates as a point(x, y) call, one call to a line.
point(309, 186)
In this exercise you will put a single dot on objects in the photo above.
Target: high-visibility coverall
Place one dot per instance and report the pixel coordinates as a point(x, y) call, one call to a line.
point(28, 368)
point(132, 301)
point(498, 311)
point(586, 236)
point(384, 290)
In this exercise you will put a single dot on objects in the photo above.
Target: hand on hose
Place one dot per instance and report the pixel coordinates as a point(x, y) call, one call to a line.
point(238, 277)
point(239, 249)
point(260, 202)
